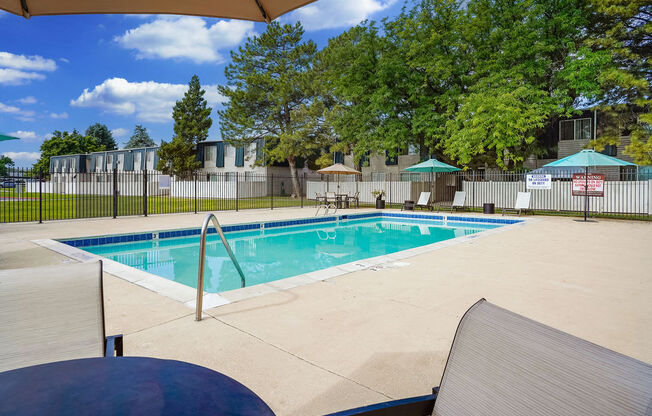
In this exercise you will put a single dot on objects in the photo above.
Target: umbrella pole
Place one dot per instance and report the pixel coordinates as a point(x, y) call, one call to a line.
point(586, 193)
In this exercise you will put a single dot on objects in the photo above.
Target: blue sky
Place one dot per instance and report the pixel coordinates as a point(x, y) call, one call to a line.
point(66, 72)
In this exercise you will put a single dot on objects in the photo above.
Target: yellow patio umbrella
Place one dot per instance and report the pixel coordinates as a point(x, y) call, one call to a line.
point(256, 10)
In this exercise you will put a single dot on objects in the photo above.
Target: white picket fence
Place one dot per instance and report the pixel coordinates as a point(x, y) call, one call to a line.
point(623, 197)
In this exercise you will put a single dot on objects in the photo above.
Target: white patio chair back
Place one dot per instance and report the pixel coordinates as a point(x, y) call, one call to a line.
point(522, 201)
point(459, 198)
point(50, 314)
point(424, 198)
point(505, 364)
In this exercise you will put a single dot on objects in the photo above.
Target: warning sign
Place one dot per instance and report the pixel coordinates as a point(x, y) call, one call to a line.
point(593, 185)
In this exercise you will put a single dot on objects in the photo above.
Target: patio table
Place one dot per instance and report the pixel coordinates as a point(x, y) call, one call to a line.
point(342, 200)
point(124, 385)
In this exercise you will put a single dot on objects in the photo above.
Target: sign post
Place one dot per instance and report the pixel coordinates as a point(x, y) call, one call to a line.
point(586, 185)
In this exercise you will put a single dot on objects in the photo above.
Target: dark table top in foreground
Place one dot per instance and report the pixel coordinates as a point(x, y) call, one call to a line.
point(124, 386)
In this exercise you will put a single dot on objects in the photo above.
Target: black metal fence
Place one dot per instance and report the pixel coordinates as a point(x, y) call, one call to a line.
point(27, 196)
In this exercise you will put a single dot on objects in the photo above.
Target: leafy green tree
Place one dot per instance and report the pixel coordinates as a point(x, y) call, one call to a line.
point(140, 138)
point(191, 123)
point(619, 46)
point(5, 164)
point(272, 97)
point(104, 136)
point(64, 143)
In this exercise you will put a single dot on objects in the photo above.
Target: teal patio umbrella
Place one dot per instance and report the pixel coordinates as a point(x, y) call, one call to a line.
point(585, 159)
point(432, 166)
point(4, 137)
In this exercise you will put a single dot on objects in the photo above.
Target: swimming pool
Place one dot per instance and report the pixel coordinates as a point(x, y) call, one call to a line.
point(279, 249)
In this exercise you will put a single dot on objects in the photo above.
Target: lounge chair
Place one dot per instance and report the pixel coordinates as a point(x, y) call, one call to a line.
point(522, 203)
point(505, 364)
point(52, 314)
point(424, 201)
point(458, 200)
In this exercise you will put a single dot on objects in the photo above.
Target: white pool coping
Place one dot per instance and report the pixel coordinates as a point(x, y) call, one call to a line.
point(187, 295)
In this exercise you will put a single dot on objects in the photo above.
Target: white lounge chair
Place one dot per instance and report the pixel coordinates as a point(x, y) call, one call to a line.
point(424, 201)
point(458, 200)
point(52, 314)
point(522, 203)
point(504, 364)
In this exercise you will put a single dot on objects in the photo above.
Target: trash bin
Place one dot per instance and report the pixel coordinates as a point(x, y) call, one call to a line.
point(488, 208)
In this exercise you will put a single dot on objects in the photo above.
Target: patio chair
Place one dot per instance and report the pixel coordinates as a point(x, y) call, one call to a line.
point(53, 313)
point(355, 198)
point(424, 201)
point(522, 203)
point(331, 198)
point(458, 200)
point(504, 364)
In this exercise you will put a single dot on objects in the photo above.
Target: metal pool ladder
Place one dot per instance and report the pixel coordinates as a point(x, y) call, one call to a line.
point(202, 258)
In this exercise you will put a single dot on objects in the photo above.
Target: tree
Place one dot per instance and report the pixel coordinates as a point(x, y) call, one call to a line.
point(191, 123)
point(103, 135)
point(64, 143)
point(140, 138)
point(5, 164)
point(271, 96)
point(619, 45)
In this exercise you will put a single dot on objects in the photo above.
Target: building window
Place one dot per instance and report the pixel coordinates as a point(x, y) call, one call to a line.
point(390, 160)
point(377, 176)
point(579, 129)
point(149, 161)
point(239, 156)
point(209, 153)
point(338, 157)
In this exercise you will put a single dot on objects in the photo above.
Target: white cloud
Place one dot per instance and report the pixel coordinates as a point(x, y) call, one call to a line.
point(4, 108)
point(119, 132)
point(185, 37)
point(148, 101)
point(327, 14)
point(29, 136)
point(64, 60)
point(60, 115)
point(31, 63)
point(27, 100)
point(10, 76)
point(23, 156)
point(21, 69)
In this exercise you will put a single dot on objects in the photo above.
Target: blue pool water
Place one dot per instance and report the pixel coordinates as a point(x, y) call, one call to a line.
point(270, 254)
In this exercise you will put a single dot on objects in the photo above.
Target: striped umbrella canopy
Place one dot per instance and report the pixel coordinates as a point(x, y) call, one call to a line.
point(432, 166)
point(256, 10)
point(4, 137)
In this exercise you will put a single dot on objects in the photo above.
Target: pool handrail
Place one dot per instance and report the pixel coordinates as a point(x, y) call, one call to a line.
point(202, 256)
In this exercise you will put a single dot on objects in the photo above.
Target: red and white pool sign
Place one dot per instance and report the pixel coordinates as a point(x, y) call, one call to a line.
point(594, 186)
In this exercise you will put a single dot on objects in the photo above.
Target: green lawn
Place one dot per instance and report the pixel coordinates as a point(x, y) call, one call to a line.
point(60, 206)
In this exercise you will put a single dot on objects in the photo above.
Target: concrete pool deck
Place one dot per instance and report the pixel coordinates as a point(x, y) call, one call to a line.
point(381, 333)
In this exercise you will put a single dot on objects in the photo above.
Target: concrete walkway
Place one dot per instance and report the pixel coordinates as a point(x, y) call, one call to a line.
point(376, 335)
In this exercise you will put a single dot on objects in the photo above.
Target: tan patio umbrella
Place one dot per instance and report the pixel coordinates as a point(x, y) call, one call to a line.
point(256, 10)
point(339, 169)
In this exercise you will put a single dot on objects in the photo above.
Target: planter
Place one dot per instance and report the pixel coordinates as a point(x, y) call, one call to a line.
point(380, 204)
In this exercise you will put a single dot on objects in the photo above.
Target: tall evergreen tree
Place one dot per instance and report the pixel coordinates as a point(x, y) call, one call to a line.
point(103, 135)
point(140, 138)
point(271, 97)
point(191, 123)
point(5, 164)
